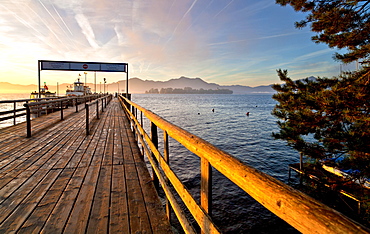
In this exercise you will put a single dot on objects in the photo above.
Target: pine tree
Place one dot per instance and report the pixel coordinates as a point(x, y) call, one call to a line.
point(343, 24)
point(327, 118)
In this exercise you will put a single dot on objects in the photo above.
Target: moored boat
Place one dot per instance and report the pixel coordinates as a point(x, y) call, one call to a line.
point(44, 93)
point(79, 89)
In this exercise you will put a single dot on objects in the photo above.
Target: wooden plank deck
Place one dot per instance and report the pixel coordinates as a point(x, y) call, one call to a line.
point(62, 181)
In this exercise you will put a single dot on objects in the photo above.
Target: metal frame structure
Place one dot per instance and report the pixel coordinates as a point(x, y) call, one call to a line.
point(81, 66)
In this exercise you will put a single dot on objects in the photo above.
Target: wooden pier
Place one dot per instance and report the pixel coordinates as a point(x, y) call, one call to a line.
point(61, 180)
point(79, 170)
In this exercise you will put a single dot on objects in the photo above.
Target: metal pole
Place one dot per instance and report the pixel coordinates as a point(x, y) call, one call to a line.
point(127, 81)
point(95, 82)
point(38, 64)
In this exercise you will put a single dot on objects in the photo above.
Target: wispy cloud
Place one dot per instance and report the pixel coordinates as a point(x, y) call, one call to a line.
point(224, 41)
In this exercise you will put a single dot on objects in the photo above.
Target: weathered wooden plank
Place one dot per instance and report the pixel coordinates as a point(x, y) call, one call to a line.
point(159, 222)
point(14, 221)
point(98, 220)
point(119, 221)
point(60, 214)
point(40, 214)
point(62, 181)
point(78, 219)
point(45, 156)
point(139, 219)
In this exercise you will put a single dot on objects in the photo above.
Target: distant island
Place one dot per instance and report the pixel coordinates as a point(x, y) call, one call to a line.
point(189, 90)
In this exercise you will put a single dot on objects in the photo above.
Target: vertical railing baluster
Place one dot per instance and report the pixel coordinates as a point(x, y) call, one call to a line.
point(28, 120)
point(76, 103)
point(87, 119)
point(142, 125)
point(15, 112)
point(206, 186)
point(61, 110)
point(166, 155)
point(97, 108)
point(132, 122)
point(154, 138)
point(102, 104)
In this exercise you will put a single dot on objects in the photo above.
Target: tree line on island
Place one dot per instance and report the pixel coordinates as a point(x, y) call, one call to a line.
point(189, 90)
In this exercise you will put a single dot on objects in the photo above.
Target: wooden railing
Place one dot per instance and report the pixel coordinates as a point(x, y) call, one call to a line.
point(18, 110)
point(45, 107)
point(90, 115)
point(299, 210)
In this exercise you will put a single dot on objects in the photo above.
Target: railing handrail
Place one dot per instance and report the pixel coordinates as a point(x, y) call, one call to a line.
point(59, 102)
point(29, 99)
point(296, 208)
point(42, 102)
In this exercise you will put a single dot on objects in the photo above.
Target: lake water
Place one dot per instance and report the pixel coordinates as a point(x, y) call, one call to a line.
point(230, 129)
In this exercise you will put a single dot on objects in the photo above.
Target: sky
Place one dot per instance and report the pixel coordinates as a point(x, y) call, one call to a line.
point(228, 42)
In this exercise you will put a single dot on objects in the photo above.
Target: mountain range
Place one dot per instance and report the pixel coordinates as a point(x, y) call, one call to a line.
point(137, 85)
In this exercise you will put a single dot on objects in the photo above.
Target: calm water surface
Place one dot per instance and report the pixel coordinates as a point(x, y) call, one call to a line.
point(230, 129)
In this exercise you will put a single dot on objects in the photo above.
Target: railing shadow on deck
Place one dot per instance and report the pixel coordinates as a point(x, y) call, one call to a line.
point(298, 209)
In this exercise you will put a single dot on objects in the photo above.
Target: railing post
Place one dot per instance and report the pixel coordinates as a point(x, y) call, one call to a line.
point(61, 110)
point(206, 186)
point(97, 108)
point(154, 138)
point(87, 119)
point(132, 122)
point(28, 120)
point(76, 103)
point(166, 155)
point(15, 112)
point(142, 125)
point(102, 104)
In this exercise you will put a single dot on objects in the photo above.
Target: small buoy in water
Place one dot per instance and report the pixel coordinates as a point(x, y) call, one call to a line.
point(198, 113)
point(247, 114)
point(213, 110)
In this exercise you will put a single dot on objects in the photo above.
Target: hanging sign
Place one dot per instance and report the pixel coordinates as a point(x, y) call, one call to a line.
point(82, 66)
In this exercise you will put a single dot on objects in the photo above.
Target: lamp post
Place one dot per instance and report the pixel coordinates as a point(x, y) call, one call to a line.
point(105, 81)
point(85, 77)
